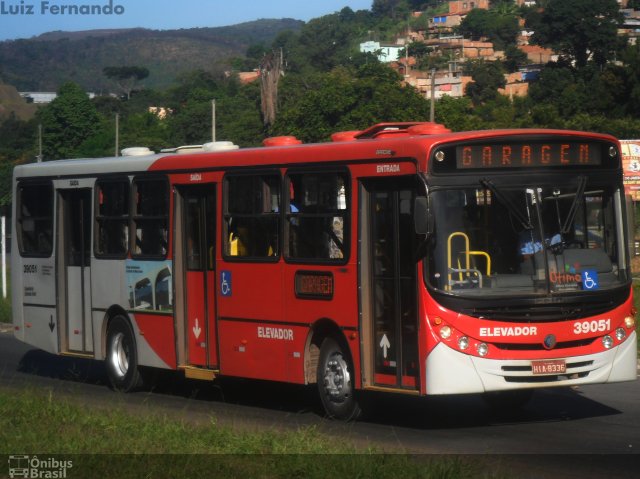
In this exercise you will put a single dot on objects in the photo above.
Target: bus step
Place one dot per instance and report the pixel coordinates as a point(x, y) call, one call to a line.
point(74, 354)
point(193, 372)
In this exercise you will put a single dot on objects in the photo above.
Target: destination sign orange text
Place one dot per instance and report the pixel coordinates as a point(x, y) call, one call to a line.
point(313, 284)
point(522, 155)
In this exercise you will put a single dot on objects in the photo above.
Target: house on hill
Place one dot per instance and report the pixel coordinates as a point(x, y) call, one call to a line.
point(465, 6)
point(386, 52)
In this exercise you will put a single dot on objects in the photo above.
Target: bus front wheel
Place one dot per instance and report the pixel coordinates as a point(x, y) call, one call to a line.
point(122, 359)
point(335, 382)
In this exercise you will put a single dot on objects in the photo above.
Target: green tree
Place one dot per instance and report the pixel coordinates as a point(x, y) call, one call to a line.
point(487, 78)
point(67, 122)
point(456, 113)
point(126, 77)
point(17, 145)
point(581, 30)
point(514, 58)
point(332, 40)
point(344, 99)
point(631, 59)
point(388, 8)
point(499, 25)
point(424, 55)
point(237, 111)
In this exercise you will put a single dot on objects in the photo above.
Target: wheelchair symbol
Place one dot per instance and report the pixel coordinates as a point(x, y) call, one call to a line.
point(590, 279)
point(225, 283)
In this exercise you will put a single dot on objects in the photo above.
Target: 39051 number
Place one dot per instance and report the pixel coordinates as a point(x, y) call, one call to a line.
point(595, 326)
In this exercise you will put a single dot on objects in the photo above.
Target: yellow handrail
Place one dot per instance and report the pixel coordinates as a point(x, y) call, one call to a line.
point(467, 254)
point(449, 259)
point(486, 255)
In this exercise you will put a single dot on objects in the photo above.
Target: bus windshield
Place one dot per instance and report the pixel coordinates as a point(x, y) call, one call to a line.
point(526, 239)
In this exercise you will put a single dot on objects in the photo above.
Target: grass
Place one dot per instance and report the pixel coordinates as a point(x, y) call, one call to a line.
point(119, 444)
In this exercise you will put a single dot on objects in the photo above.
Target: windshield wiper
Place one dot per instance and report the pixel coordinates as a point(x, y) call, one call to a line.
point(508, 203)
point(571, 215)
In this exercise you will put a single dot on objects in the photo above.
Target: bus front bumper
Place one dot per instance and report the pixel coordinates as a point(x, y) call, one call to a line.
point(451, 372)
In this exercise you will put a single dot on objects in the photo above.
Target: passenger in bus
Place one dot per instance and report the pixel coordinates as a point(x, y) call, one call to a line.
point(238, 241)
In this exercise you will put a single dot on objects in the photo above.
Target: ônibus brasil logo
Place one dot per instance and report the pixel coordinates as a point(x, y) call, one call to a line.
point(35, 468)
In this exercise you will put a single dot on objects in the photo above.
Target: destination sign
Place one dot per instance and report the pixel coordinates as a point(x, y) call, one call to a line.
point(527, 155)
point(314, 285)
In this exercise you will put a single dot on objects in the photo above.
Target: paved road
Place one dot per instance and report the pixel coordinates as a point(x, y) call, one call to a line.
point(592, 431)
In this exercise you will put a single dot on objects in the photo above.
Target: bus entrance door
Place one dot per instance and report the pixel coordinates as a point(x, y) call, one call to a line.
point(74, 267)
point(198, 249)
point(389, 284)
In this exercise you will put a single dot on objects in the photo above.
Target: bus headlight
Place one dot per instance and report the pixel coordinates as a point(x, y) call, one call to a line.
point(629, 322)
point(445, 332)
point(463, 343)
point(483, 349)
point(620, 334)
point(607, 341)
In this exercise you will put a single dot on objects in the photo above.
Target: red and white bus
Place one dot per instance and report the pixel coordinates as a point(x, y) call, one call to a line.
point(402, 258)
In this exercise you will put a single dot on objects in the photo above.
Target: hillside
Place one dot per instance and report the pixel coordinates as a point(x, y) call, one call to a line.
point(43, 63)
point(11, 101)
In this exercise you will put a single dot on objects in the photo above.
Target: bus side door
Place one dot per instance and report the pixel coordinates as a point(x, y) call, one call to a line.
point(388, 272)
point(198, 260)
point(74, 252)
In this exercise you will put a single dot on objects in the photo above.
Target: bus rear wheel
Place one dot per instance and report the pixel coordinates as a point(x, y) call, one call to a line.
point(335, 384)
point(122, 359)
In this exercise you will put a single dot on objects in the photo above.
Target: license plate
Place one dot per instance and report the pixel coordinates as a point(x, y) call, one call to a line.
point(549, 367)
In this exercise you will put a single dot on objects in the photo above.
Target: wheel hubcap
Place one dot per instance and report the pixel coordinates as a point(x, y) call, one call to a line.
point(119, 357)
point(337, 380)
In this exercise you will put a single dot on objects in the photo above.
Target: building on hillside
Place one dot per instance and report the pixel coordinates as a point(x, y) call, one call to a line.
point(386, 52)
point(630, 26)
point(516, 85)
point(39, 97)
point(458, 9)
point(538, 54)
point(465, 6)
point(444, 23)
point(44, 97)
point(458, 47)
point(531, 72)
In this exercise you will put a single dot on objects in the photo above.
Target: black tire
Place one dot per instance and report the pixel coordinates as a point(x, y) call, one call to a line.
point(122, 356)
point(335, 382)
point(506, 401)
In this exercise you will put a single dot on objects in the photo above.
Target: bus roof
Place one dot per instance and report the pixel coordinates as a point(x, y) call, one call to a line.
point(383, 146)
point(87, 166)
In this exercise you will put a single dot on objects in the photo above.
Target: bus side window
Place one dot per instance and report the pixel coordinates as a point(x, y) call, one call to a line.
point(112, 218)
point(252, 218)
point(316, 219)
point(150, 217)
point(34, 220)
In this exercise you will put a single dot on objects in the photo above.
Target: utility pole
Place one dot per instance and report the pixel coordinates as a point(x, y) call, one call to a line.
point(432, 112)
point(39, 157)
point(117, 134)
point(213, 121)
point(3, 227)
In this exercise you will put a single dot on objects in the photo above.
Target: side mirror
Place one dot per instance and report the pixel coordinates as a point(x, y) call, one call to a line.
point(422, 219)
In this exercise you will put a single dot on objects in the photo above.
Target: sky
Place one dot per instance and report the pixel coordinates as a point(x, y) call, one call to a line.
point(28, 18)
